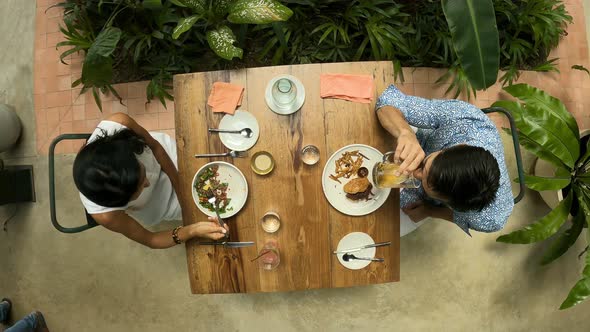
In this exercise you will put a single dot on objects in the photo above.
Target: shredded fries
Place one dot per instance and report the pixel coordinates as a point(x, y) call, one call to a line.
point(347, 165)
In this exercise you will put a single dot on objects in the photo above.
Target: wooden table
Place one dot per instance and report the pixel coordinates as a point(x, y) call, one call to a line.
point(310, 227)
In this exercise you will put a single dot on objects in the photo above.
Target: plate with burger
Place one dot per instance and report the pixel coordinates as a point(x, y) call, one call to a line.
point(347, 180)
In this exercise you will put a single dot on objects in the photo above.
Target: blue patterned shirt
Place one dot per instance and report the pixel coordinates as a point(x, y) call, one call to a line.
point(442, 124)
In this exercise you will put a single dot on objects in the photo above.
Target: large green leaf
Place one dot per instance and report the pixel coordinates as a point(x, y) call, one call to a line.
point(545, 129)
point(105, 42)
point(222, 7)
point(475, 38)
point(152, 4)
point(258, 12)
point(542, 229)
point(184, 25)
point(536, 149)
point(581, 289)
point(199, 6)
point(221, 42)
point(97, 70)
point(538, 98)
point(564, 241)
point(540, 183)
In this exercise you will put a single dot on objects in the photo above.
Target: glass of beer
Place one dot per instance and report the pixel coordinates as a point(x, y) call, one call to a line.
point(384, 175)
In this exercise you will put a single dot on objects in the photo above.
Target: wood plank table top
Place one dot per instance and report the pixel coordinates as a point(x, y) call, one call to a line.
point(310, 227)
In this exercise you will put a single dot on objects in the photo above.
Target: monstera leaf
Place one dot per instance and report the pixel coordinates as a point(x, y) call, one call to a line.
point(258, 12)
point(221, 42)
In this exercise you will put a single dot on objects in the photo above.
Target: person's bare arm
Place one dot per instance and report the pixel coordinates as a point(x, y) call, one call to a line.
point(121, 222)
point(408, 151)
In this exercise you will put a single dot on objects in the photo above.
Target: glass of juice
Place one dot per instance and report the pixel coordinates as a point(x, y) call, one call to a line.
point(384, 175)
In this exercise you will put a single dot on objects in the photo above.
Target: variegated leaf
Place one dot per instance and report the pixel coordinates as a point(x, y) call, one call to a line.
point(221, 42)
point(258, 12)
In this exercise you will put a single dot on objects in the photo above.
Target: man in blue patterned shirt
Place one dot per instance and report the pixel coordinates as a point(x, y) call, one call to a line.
point(458, 155)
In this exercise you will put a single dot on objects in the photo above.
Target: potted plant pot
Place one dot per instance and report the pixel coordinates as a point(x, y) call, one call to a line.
point(10, 127)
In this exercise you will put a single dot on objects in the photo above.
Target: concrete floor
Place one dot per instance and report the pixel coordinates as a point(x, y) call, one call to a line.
point(96, 281)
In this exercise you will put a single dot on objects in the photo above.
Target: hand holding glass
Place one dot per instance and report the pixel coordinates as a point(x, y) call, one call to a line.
point(384, 175)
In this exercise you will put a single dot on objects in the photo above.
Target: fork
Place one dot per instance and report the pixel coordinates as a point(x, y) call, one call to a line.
point(213, 201)
point(233, 154)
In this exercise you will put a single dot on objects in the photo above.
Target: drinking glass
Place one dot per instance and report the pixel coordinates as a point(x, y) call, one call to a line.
point(271, 256)
point(284, 93)
point(384, 175)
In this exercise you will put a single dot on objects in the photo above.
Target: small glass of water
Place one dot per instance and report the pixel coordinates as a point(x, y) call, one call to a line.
point(269, 256)
point(271, 222)
point(310, 154)
point(284, 93)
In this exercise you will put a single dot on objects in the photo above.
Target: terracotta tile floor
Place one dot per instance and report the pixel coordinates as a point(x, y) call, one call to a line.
point(61, 109)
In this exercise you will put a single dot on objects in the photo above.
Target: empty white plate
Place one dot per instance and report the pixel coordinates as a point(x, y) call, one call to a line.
point(354, 240)
point(238, 121)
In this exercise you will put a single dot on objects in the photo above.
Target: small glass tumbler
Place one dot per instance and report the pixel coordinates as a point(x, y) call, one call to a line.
point(310, 154)
point(270, 222)
point(270, 256)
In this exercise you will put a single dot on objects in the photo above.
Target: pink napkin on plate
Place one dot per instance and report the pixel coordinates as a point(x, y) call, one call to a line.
point(225, 97)
point(356, 88)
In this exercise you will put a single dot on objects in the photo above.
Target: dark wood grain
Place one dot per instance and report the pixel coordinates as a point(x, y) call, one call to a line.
point(310, 227)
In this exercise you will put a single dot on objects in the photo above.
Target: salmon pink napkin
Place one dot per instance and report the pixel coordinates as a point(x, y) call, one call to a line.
point(225, 97)
point(357, 88)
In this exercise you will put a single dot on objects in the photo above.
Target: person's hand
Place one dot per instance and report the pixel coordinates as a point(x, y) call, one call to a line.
point(408, 152)
point(209, 229)
point(417, 211)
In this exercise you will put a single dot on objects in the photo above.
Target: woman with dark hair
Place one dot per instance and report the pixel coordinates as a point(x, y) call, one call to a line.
point(126, 175)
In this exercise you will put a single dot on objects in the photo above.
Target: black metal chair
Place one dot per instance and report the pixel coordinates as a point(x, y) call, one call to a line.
point(90, 222)
point(516, 148)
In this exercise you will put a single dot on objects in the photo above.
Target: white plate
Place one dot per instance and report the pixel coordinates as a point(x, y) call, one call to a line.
point(238, 121)
point(353, 240)
point(299, 100)
point(237, 188)
point(336, 195)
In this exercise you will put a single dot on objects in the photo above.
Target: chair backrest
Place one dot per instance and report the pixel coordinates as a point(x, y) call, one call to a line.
point(516, 148)
point(90, 223)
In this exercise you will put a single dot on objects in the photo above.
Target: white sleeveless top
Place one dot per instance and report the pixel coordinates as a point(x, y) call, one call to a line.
point(158, 201)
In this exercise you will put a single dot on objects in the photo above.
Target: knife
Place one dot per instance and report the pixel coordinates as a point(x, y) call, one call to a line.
point(380, 244)
point(228, 244)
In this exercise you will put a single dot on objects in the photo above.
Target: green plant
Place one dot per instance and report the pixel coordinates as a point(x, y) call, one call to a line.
point(213, 13)
point(475, 39)
point(161, 38)
point(547, 129)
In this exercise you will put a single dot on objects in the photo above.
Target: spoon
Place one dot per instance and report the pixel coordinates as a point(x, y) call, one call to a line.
point(348, 257)
point(246, 132)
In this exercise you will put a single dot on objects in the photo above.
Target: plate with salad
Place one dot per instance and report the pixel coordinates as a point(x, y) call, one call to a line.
point(224, 181)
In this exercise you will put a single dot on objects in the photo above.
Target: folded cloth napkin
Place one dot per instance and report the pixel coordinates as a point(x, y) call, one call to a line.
point(357, 88)
point(225, 97)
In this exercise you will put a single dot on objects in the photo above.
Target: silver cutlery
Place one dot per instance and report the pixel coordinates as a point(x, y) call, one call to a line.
point(227, 244)
point(213, 201)
point(349, 257)
point(246, 132)
point(374, 245)
point(233, 154)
